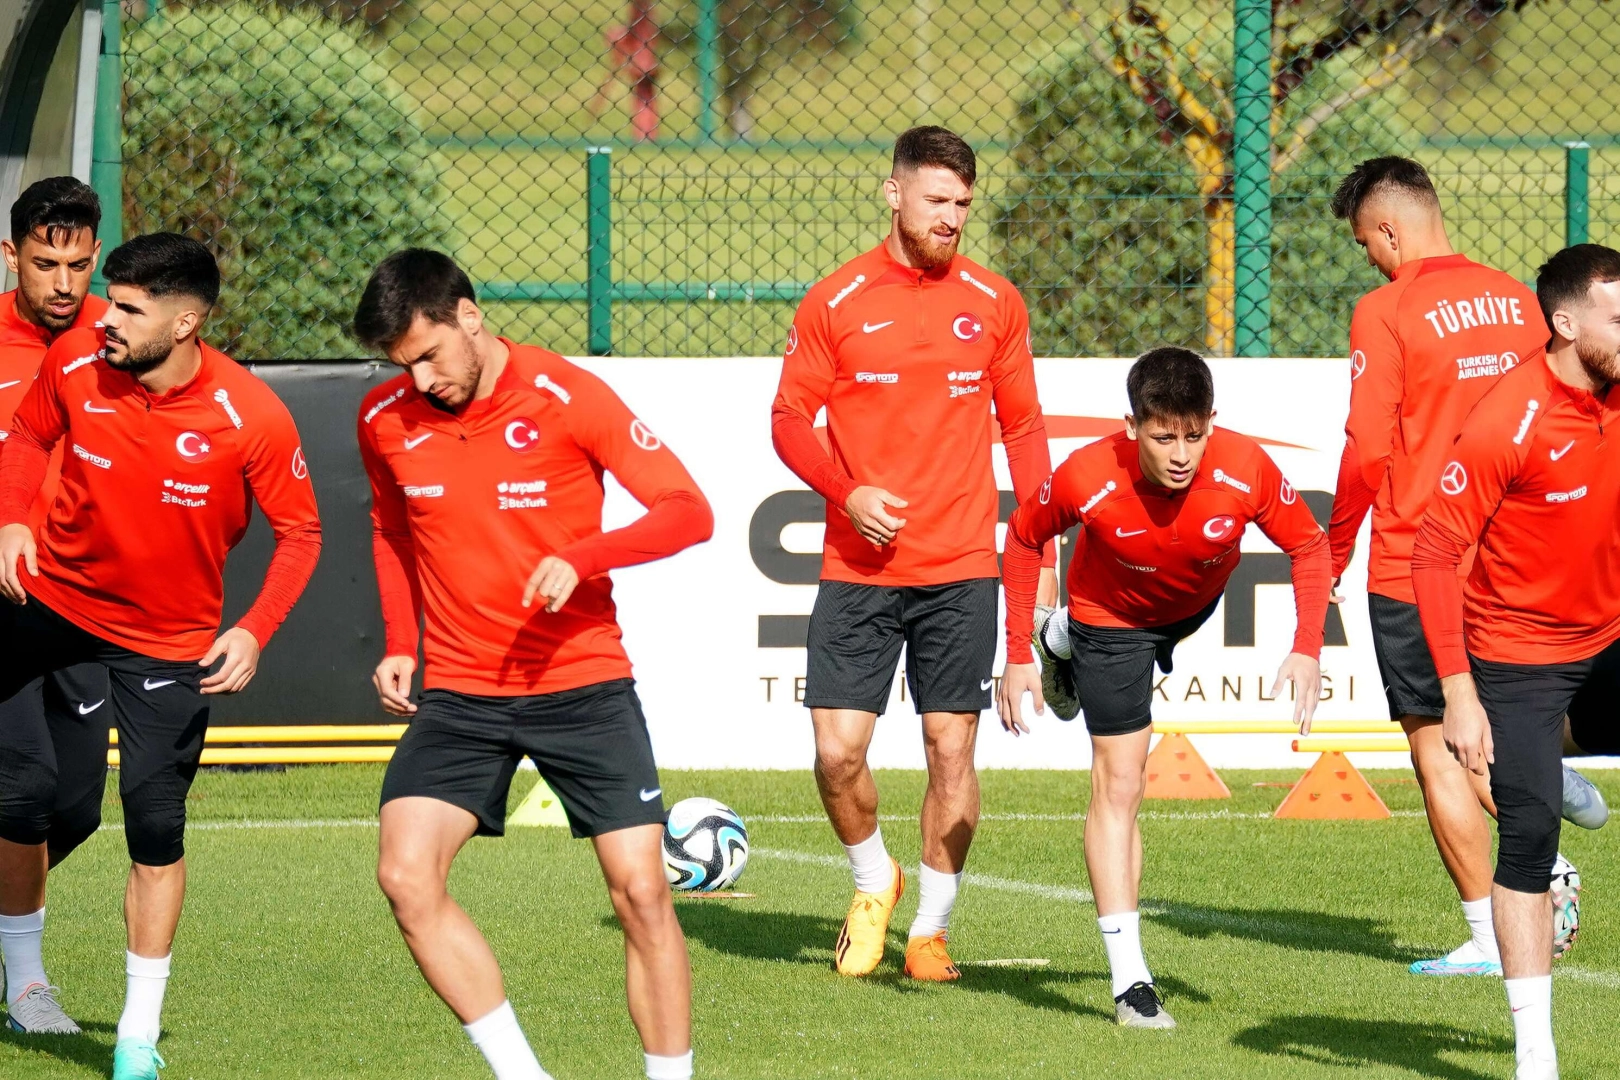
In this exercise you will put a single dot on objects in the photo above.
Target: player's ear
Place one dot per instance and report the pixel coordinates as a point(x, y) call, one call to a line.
point(10, 250)
point(891, 192)
point(1130, 427)
point(468, 315)
point(1565, 325)
point(1390, 239)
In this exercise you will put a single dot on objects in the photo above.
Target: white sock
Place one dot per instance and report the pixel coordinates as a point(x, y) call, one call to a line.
point(874, 870)
point(934, 901)
point(500, 1039)
point(678, 1067)
point(1056, 633)
point(1122, 937)
point(1531, 1002)
point(22, 937)
point(1478, 914)
point(148, 978)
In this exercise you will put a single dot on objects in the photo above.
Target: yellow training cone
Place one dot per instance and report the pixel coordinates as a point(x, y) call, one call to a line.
point(539, 807)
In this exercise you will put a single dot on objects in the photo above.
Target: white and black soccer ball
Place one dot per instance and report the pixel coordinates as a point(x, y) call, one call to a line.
point(705, 846)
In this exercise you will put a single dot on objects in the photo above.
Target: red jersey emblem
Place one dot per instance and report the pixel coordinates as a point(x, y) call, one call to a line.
point(1507, 362)
point(522, 435)
point(642, 436)
point(300, 467)
point(792, 341)
point(967, 327)
point(1455, 479)
point(1219, 528)
point(192, 446)
point(1358, 364)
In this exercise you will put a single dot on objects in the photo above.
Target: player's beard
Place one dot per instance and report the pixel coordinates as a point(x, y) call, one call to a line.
point(40, 305)
point(922, 250)
point(465, 387)
point(139, 359)
point(1602, 364)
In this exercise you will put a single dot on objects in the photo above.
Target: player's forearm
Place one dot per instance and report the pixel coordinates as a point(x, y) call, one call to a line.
point(1020, 578)
point(1436, 557)
point(674, 521)
point(797, 446)
point(1029, 461)
point(297, 551)
point(1352, 498)
point(1310, 570)
point(399, 589)
point(23, 466)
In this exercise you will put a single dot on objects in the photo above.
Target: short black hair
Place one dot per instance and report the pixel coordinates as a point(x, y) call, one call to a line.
point(1382, 174)
point(408, 283)
point(165, 264)
point(60, 205)
point(938, 148)
point(1564, 279)
point(1171, 385)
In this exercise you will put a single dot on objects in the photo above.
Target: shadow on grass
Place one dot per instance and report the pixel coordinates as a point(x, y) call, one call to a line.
point(92, 1048)
point(1336, 1040)
point(1292, 929)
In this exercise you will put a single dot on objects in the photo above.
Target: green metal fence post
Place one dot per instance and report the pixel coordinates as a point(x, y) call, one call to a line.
point(599, 248)
point(1251, 175)
point(1577, 192)
point(107, 152)
point(708, 65)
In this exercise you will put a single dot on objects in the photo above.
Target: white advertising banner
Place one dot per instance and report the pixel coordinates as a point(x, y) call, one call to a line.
point(716, 633)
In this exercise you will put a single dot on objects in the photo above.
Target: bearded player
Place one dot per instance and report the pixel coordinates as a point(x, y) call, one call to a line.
point(53, 251)
point(906, 347)
point(1162, 508)
point(486, 462)
point(170, 443)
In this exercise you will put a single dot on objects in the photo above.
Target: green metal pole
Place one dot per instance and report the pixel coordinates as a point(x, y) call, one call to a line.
point(1251, 175)
point(708, 64)
point(599, 248)
point(107, 151)
point(1577, 192)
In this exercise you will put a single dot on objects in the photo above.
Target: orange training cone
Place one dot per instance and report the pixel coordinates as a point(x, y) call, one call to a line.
point(1175, 771)
point(1332, 788)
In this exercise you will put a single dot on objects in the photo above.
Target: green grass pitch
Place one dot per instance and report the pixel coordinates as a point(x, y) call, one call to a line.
point(1281, 945)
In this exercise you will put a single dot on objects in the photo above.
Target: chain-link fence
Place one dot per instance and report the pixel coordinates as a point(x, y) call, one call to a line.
point(666, 178)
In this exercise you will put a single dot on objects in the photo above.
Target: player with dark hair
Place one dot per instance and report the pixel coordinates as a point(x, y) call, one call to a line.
point(53, 250)
point(1423, 350)
point(906, 347)
point(486, 463)
point(1162, 507)
point(1526, 650)
point(167, 439)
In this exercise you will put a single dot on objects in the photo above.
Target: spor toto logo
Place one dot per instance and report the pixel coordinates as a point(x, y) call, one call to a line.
point(1507, 362)
point(192, 445)
point(967, 327)
point(522, 434)
point(1358, 364)
point(642, 436)
point(1219, 528)
point(1454, 479)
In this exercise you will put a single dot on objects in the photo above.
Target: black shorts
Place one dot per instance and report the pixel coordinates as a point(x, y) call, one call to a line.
point(590, 744)
point(1112, 667)
point(53, 744)
point(1411, 684)
point(856, 631)
point(1526, 705)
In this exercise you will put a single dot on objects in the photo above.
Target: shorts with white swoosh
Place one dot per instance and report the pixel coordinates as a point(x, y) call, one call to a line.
point(1113, 669)
point(856, 631)
point(53, 749)
point(590, 744)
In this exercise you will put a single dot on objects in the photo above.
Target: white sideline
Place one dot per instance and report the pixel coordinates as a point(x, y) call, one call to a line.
point(1145, 815)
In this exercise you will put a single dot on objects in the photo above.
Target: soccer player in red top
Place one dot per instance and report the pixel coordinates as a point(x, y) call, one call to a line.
point(906, 347)
point(167, 440)
point(486, 462)
point(1526, 649)
point(53, 250)
point(1162, 508)
point(1423, 349)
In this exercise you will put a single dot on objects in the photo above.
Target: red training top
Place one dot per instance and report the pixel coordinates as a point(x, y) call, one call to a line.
point(464, 506)
point(155, 491)
point(1423, 349)
point(22, 348)
point(907, 363)
point(1534, 482)
point(1149, 556)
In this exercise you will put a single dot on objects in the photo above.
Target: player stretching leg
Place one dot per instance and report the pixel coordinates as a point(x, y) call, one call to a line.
point(1163, 506)
point(1531, 638)
point(906, 347)
point(167, 439)
point(52, 250)
point(486, 465)
point(1424, 349)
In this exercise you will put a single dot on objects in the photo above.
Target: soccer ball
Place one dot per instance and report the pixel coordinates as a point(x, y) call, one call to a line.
point(1566, 901)
point(705, 846)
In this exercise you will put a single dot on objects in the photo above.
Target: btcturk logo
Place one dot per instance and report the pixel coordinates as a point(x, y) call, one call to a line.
point(1454, 479)
point(522, 435)
point(192, 446)
point(967, 327)
point(1219, 528)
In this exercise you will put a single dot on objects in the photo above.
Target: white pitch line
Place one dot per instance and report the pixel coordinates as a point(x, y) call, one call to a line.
point(1145, 815)
point(289, 823)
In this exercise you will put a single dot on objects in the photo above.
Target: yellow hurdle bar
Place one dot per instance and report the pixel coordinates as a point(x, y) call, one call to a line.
point(1313, 744)
point(300, 733)
point(1274, 727)
point(285, 755)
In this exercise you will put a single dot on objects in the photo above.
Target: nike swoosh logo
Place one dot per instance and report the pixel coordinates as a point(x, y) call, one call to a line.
point(1556, 454)
point(86, 710)
point(157, 684)
point(412, 444)
point(9, 385)
point(1119, 931)
point(649, 796)
point(1121, 533)
point(91, 408)
point(872, 328)
point(985, 684)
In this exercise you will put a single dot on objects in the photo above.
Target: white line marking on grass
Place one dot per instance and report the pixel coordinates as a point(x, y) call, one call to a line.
point(1145, 815)
point(1029, 888)
point(1607, 979)
point(290, 823)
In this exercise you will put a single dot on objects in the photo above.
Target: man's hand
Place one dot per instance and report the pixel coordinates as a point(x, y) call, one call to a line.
point(868, 510)
point(1046, 589)
point(553, 581)
point(1333, 593)
point(16, 541)
point(1306, 675)
point(241, 652)
point(393, 682)
point(1016, 681)
point(1466, 729)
